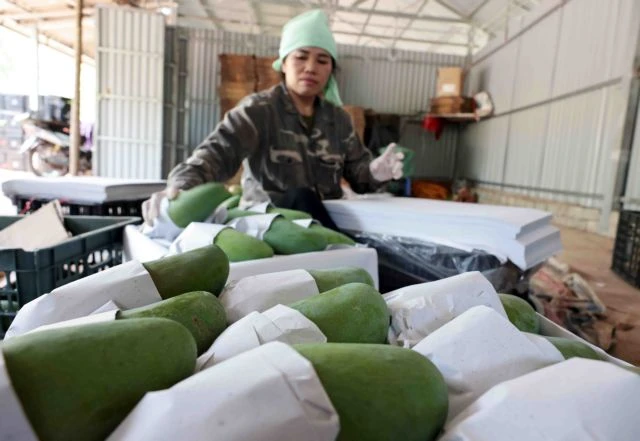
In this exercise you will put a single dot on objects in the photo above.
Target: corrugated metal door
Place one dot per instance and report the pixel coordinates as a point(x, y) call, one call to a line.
point(130, 72)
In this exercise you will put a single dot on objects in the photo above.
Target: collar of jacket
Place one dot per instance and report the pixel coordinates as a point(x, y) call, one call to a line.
point(323, 107)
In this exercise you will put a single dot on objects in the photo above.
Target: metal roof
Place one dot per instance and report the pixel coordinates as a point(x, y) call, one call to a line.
point(442, 26)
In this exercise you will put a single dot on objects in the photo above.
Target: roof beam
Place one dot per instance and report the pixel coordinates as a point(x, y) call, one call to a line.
point(367, 20)
point(24, 17)
point(477, 9)
point(380, 38)
point(215, 21)
point(257, 16)
point(15, 26)
point(468, 19)
point(409, 24)
point(404, 15)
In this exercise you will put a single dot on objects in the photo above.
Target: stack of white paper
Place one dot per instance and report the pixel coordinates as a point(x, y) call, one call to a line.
point(89, 189)
point(523, 235)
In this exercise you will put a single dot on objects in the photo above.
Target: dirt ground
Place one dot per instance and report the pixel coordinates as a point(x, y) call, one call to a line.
point(590, 255)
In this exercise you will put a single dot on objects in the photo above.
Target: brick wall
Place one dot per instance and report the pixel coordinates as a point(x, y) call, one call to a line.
point(567, 215)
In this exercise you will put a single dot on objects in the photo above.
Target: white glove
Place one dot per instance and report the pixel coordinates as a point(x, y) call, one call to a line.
point(151, 207)
point(388, 165)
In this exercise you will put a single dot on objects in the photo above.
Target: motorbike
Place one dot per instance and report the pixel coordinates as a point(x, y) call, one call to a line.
point(47, 146)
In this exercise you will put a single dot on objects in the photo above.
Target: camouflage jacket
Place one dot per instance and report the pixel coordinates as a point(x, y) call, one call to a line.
point(279, 151)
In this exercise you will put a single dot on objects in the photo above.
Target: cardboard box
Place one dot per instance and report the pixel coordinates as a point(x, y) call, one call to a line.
point(449, 81)
point(550, 329)
point(452, 104)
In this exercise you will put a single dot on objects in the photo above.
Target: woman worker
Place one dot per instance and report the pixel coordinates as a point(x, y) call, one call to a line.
point(294, 140)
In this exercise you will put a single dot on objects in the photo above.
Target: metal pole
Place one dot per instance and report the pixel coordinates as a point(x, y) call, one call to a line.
point(74, 152)
point(33, 103)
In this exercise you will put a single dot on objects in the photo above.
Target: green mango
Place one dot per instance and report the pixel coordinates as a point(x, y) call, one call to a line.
point(202, 269)
point(520, 313)
point(197, 203)
point(286, 237)
point(333, 237)
point(571, 348)
point(79, 383)
point(327, 279)
point(352, 313)
point(200, 312)
point(381, 392)
point(240, 247)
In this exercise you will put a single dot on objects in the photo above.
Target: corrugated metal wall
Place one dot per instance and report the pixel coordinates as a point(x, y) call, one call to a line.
point(560, 84)
point(632, 193)
point(401, 83)
point(129, 67)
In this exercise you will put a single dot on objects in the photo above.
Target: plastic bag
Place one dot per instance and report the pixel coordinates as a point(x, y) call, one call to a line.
point(406, 261)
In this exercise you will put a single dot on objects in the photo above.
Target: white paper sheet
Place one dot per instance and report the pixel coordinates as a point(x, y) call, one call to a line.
point(163, 227)
point(260, 208)
point(261, 292)
point(128, 284)
point(479, 349)
point(101, 317)
point(525, 236)
point(270, 393)
point(418, 310)
point(366, 258)
point(196, 235)
point(306, 223)
point(14, 425)
point(255, 225)
point(279, 323)
point(219, 215)
point(137, 246)
point(91, 189)
point(576, 400)
point(107, 307)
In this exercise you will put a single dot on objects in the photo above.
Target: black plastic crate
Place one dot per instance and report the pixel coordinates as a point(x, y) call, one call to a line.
point(626, 251)
point(96, 245)
point(54, 108)
point(17, 103)
point(113, 208)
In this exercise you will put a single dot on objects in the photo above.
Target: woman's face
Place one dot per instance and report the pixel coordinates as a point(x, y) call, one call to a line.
point(307, 71)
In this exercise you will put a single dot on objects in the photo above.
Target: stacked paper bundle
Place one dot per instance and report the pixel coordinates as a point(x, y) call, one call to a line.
point(523, 235)
point(83, 189)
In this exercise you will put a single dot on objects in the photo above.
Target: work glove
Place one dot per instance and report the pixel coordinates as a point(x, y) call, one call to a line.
point(388, 165)
point(151, 207)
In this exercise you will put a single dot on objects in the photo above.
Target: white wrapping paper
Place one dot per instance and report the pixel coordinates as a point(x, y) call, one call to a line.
point(479, 349)
point(255, 225)
point(366, 258)
point(261, 292)
point(279, 323)
point(196, 235)
point(270, 393)
point(418, 310)
point(306, 223)
point(101, 317)
point(163, 227)
point(260, 208)
point(128, 285)
point(219, 215)
point(14, 425)
point(576, 400)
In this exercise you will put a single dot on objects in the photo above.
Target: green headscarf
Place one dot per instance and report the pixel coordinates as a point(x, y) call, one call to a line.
point(310, 29)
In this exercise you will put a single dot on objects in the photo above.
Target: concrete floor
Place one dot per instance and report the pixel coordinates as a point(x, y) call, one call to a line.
point(590, 255)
